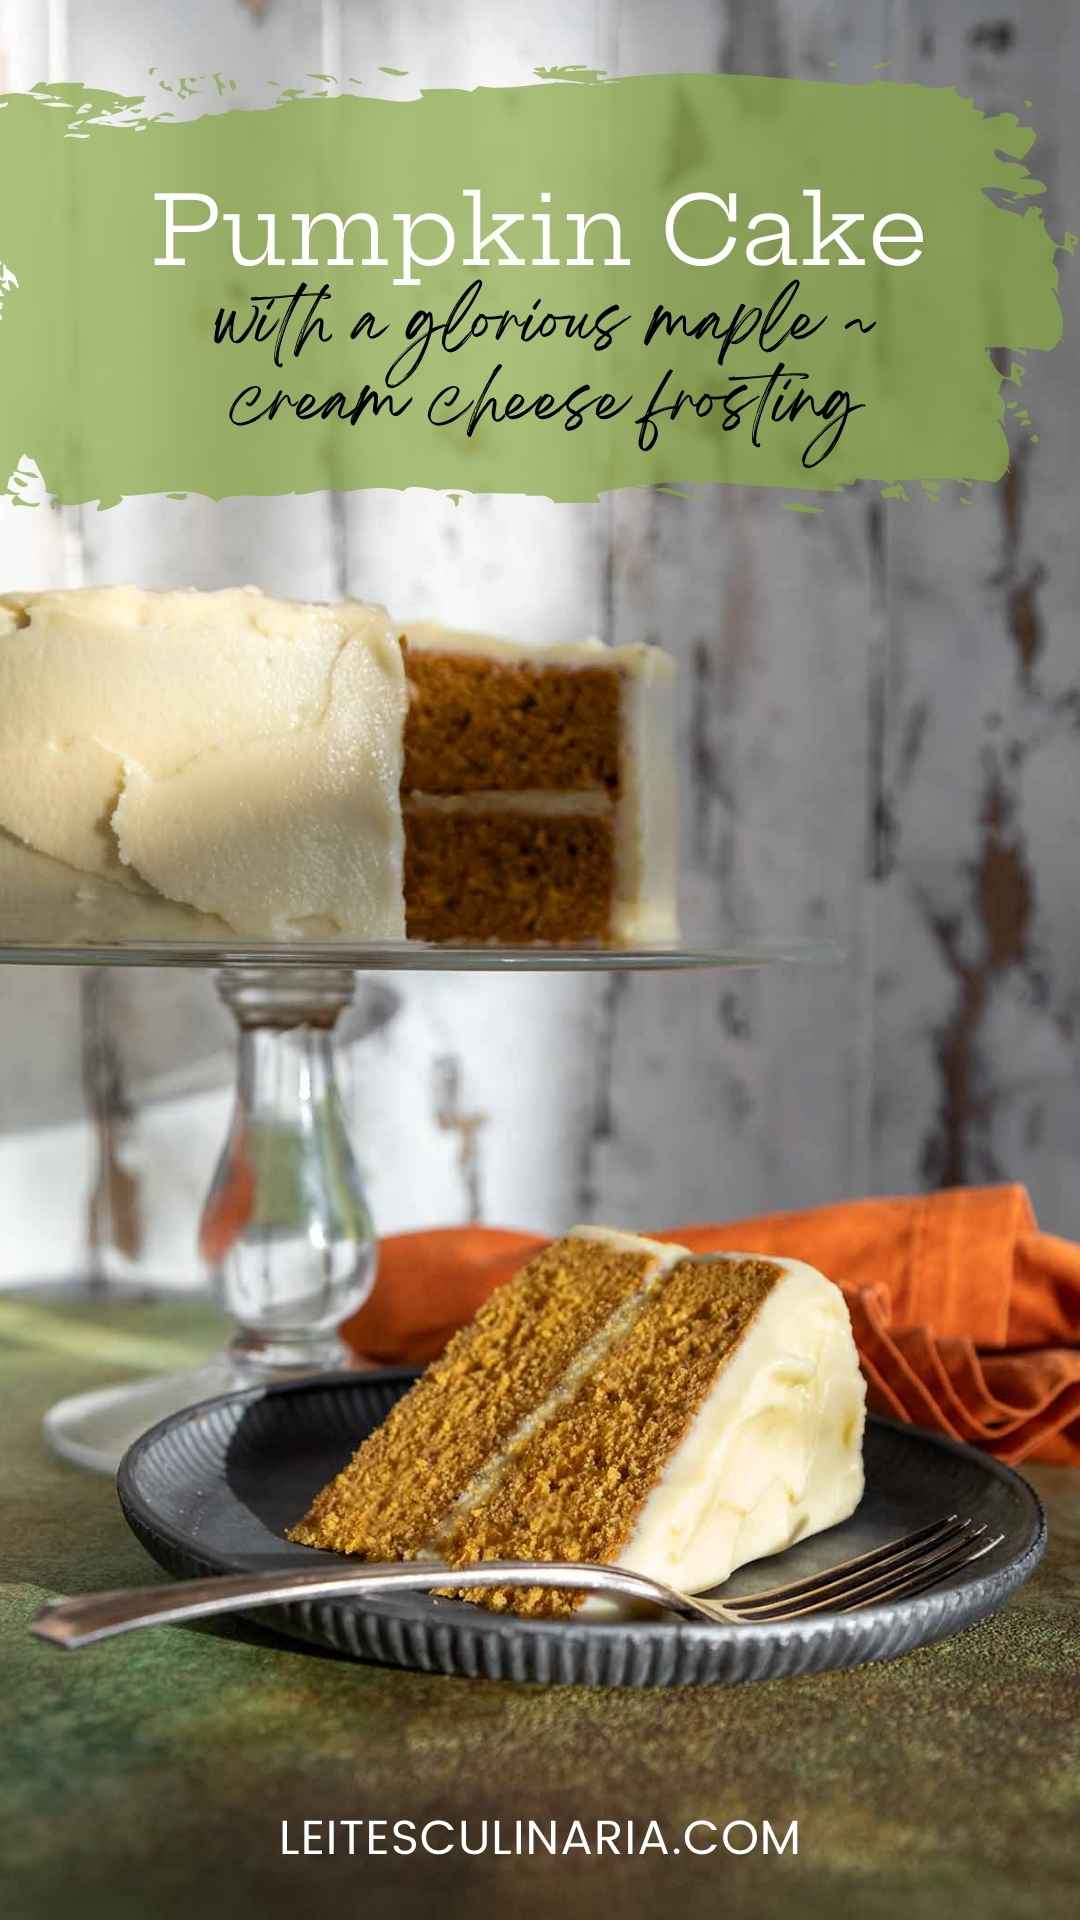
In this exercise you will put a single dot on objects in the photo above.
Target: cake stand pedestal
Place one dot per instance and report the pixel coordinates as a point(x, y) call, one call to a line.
point(286, 1229)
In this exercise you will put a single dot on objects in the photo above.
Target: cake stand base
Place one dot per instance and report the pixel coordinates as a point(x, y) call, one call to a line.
point(94, 1430)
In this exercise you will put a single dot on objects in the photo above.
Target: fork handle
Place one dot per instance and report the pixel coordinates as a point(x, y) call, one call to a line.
point(99, 1616)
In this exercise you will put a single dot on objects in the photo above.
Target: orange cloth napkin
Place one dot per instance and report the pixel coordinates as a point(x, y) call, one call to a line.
point(967, 1317)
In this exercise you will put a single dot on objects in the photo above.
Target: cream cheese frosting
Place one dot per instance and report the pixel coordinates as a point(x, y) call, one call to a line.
point(45, 903)
point(430, 637)
point(224, 752)
point(773, 1454)
point(235, 760)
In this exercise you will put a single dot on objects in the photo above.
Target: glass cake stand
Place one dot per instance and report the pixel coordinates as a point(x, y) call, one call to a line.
point(286, 1229)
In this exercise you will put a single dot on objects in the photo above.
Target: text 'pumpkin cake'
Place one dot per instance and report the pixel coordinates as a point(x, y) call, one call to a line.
point(621, 1402)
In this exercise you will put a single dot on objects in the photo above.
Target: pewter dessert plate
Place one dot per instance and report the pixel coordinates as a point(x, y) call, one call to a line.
point(212, 1490)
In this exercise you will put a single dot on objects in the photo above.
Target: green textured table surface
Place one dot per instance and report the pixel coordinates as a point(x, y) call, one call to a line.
point(151, 1776)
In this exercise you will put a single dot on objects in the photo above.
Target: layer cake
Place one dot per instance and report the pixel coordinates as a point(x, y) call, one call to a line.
point(283, 770)
point(624, 1402)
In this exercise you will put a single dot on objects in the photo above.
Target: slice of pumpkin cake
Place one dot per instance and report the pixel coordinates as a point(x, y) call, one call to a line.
point(538, 791)
point(622, 1402)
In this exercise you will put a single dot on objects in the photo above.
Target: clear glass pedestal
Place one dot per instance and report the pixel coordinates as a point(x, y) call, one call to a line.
point(286, 1230)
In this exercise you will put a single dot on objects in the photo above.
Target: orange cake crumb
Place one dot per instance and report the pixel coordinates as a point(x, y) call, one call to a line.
point(509, 877)
point(553, 770)
point(481, 725)
point(494, 1373)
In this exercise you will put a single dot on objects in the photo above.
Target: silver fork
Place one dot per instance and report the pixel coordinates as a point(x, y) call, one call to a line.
point(894, 1570)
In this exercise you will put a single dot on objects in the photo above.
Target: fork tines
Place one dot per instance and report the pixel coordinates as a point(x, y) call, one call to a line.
point(910, 1565)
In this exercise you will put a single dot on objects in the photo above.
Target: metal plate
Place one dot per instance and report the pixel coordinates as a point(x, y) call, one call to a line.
point(211, 1490)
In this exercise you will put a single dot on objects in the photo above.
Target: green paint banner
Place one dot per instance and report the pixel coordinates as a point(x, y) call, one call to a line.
point(556, 289)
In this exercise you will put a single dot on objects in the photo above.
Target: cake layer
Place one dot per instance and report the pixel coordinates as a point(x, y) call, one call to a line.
point(229, 752)
point(538, 873)
point(489, 1382)
point(480, 724)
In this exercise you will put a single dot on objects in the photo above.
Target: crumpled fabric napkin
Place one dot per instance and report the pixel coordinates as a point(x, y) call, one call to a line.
point(966, 1315)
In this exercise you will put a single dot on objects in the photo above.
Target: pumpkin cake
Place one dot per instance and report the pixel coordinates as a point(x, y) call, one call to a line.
point(285, 770)
point(624, 1402)
point(538, 791)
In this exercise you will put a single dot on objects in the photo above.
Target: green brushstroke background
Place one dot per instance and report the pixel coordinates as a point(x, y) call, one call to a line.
point(110, 381)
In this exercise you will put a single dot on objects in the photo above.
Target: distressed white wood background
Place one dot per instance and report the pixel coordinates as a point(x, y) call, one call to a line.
point(881, 738)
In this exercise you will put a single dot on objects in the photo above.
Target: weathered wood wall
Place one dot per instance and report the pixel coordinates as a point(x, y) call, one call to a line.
point(880, 718)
